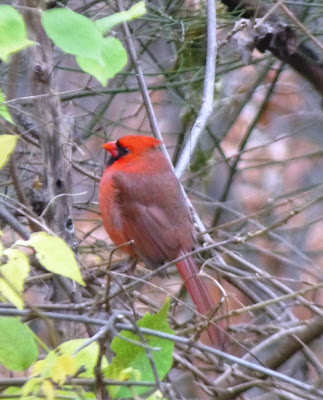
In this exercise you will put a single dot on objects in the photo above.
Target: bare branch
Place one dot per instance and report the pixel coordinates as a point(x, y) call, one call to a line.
point(208, 93)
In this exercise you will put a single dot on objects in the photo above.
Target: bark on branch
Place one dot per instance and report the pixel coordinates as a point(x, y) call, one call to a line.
point(276, 358)
point(56, 133)
point(279, 38)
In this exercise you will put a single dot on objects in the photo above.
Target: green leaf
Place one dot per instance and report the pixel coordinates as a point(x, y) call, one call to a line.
point(48, 390)
point(55, 255)
point(4, 113)
point(13, 275)
point(13, 36)
point(12, 390)
point(107, 23)
point(114, 59)
point(18, 349)
point(32, 386)
point(73, 33)
point(69, 393)
point(74, 393)
point(131, 361)
point(7, 146)
point(44, 368)
point(87, 357)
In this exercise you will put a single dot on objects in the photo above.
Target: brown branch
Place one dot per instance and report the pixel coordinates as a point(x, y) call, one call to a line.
point(282, 42)
point(21, 192)
point(274, 359)
point(6, 216)
point(11, 93)
point(277, 37)
point(56, 131)
point(246, 8)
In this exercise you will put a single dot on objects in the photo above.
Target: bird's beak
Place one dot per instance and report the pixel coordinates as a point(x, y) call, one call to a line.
point(112, 148)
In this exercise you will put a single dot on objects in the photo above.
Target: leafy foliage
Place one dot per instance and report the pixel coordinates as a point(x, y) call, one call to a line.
point(78, 35)
point(55, 255)
point(7, 147)
point(18, 350)
point(13, 35)
point(4, 113)
point(76, 357)
point(107, 23)
point(75, 34)
point(114, 58)
point(86, 358)
point(132, 362)
point(13, 275)
point(52, 252)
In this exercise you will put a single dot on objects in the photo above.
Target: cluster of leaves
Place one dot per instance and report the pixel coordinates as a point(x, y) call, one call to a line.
point(52, 252)
point(102, 57)
point(51, 376)
point(18, 344)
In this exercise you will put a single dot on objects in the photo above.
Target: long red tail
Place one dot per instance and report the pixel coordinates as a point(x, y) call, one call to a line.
point(201, 296)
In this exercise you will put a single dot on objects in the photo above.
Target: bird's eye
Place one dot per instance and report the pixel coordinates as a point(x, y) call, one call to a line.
point(122, 151)
point(125, 150)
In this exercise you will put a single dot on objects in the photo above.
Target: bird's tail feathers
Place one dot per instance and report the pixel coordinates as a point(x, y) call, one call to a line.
point(203, 297)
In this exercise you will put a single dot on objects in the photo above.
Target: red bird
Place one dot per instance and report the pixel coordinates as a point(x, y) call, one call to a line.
point(141, 200)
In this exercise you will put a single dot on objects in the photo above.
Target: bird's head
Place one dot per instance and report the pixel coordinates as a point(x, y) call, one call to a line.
point(131, 144)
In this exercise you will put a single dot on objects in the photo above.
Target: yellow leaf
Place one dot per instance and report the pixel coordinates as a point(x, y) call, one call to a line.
point(56, 367)
point(156, 396)
point(7, 145)
point(30, 386)
point(45, 367)
point(65, 366)
point(86, 358)
point(13, 276)
point(130, 374)
point(38, 367)
point(55, 255)
point(48, 390)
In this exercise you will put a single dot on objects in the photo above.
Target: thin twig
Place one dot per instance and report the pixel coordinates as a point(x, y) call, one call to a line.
point(142, 84)
point(297, 22)
point(208, 92)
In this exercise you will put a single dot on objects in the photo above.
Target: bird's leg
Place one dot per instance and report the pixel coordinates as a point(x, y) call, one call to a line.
point(133, 265)
point(127, 267)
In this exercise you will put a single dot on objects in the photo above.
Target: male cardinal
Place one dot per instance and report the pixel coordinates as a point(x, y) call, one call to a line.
point(141, 200)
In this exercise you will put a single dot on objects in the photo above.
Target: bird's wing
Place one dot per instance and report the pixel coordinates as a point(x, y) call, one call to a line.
point(155, 215)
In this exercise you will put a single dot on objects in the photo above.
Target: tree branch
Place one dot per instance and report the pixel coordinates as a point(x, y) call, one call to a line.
point(273, 359)
point(271, 34)
point(208, 92)
point(56, 132)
